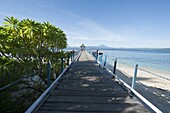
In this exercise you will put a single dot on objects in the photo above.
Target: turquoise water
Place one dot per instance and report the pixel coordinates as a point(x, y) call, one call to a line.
point(158, 60)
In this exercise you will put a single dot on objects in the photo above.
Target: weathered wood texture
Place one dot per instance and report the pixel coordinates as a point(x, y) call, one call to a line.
point(87, 88)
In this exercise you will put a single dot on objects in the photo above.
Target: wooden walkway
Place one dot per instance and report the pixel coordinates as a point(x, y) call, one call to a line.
point(87, 88)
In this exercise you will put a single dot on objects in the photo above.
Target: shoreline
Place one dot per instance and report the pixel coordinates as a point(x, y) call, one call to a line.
point(157, 71)
point(155, 62)
point(153, 88)
point(148, 77)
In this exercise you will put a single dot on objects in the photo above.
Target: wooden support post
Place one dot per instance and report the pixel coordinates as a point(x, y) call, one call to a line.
point(73, 54)
point(62, 64)
point(48, 74)
point(97, 56)
point(134, 78)
point(105, 60)
point(101, 57)
point(68, 59)
point(114, 67)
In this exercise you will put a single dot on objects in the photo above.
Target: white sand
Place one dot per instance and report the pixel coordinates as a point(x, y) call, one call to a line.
point(156, 89)
point(147, 78)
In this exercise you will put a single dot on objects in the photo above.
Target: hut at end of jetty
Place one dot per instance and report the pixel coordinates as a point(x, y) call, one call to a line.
point(82, 47)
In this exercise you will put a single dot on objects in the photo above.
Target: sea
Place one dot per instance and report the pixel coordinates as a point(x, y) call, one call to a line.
point(151, 59)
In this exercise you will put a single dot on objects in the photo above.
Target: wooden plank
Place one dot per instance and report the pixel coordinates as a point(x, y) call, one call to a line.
point(65, 81)
point(90, 99)
point(87, 80)
point(124, 111)
point(81, 107)
point(87, 89)
point(91, 93)
point(89, 84)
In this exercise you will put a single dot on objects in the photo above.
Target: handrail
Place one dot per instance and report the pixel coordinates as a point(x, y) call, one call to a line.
point(112, 58)
point(144, 100)
point(158, 75)
point(154, 74)
point(17, 81)
point(37, 103)
point(166, 78)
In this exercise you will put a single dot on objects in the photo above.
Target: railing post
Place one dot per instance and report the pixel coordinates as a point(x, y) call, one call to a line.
point(114, 67)
point(48, 74)
point(134, 78)
point(62, 64)
point(101, 56)
point(105, 60)
point(68, 59)
point(97, 56)
point(73, 55)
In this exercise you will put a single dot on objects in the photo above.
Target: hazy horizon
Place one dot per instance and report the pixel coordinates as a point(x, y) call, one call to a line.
point(117, 47)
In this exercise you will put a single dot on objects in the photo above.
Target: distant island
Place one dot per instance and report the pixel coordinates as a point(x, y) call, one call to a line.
point(104, 47)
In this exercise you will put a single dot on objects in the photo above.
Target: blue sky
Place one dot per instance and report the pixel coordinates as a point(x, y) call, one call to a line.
point(115, 23)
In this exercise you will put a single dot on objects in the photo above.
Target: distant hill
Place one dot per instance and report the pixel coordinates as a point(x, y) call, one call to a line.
point(104, 47)
point(100, 47)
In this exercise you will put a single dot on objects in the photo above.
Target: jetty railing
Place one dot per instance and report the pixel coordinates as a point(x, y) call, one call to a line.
point(134, 73)
point(31, 84)
point(111, 65)
point(18, 81)
point(45, 94)
point(145, 75)
point(153, 73)
point(71, 59)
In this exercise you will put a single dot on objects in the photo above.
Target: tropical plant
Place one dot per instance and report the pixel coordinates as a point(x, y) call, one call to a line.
point(27, 46)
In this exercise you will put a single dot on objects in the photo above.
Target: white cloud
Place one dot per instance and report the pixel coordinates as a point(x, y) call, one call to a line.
point(86, 30)
point(82, 30)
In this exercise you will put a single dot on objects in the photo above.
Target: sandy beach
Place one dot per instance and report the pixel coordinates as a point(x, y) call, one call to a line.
point(154, 88)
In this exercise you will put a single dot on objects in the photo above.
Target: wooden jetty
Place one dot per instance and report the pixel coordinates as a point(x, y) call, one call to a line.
point(87, 88)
